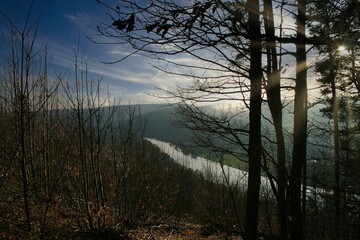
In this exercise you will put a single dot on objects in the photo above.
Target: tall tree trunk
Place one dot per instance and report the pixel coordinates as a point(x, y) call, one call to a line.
point(296, 222)
point(23, 123)
point(252, 201)
point(274, 101)
point(24, 176)
point(335, 109)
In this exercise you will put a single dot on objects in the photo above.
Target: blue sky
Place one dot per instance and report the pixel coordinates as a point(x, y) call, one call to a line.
point(64, 25)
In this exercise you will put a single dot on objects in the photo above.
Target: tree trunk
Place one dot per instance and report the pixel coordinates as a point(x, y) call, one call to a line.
point(252, 201)
point(274, 101)
point(300, 129)
point(335, 109)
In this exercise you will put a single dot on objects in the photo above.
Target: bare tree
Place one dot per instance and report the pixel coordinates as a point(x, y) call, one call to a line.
point(21, 61)
point(255, 74)
point(300, 129)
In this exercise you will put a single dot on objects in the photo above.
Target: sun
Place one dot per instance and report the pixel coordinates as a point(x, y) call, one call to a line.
point(341, 48)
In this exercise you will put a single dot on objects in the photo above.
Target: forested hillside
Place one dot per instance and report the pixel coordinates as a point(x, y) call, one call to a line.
point(270, 87)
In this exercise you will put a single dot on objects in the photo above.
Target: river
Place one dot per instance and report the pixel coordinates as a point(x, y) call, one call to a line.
point(210, 169)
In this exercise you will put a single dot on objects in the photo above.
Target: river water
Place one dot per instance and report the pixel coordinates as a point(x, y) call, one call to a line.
point(210, 169)
point(213, 171)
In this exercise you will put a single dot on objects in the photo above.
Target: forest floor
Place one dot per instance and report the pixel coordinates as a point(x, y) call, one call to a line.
point(187, 231)
point(169, 230)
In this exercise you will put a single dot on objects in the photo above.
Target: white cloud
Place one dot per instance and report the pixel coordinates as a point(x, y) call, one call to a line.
point(134, 79)
point(81, 20)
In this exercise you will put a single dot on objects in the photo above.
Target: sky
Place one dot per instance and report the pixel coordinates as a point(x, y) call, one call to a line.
point(65, 26)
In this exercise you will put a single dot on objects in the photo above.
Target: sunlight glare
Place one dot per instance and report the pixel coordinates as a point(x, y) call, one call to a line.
point(341, 48)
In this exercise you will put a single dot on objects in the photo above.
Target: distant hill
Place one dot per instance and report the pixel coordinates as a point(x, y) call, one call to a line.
point(161, 125)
